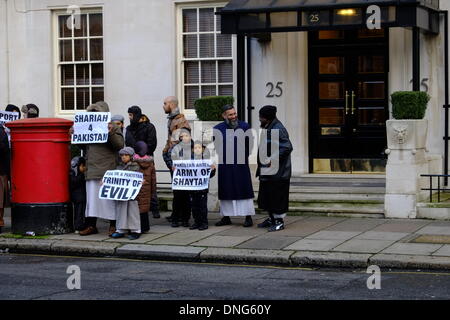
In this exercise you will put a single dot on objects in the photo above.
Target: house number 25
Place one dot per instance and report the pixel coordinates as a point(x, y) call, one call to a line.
point(275, 91)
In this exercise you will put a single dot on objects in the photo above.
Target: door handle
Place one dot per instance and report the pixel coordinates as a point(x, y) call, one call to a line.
point(353, 102)
point(346, 102)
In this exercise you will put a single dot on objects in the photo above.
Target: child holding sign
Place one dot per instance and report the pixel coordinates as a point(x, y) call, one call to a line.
point(200, 198)
point(127, 212)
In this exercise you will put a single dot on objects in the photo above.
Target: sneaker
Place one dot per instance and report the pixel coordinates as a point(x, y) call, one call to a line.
point(117, 235)
point(278, 226)
point(226, 221)
point(266, 224)
point(194, 226)
point(203, 227)
point(134, 236)
point(248, 222)
point(186, 224)
point(88, 231)
point(175, 224)
point(156, 215)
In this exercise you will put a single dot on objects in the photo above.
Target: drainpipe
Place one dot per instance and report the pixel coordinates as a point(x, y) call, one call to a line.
point(446, 105)
point(250, 107)
point(7, 52)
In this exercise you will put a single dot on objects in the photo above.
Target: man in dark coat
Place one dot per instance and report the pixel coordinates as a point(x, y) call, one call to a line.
point(234, 178)
point(274, 169)
point(137, 131)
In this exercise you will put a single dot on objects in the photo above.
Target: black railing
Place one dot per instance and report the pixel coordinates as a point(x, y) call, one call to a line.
point(440, 186)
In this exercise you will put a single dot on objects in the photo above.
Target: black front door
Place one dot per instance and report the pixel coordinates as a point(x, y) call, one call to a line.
point(348, 100)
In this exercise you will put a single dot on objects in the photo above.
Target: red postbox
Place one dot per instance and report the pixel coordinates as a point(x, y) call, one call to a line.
point(40, 164)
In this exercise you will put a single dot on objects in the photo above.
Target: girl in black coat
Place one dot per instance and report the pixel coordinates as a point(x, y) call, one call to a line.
point(78, 191)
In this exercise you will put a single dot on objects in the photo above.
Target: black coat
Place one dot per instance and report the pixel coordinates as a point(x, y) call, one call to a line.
point(77, 187)
point(234, 179)
point(283, 147)
point(142, 132)
point(5, 153)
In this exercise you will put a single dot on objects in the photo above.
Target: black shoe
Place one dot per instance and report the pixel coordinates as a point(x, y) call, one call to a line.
point(203, 227)
point(175, 224)
point(156, 215)
point(186, 224)
point(226, 221)
point(278, 226)
point(195, 226)
point(169, 219)
point(0, 230)
point(266, 224)
point(248, 222)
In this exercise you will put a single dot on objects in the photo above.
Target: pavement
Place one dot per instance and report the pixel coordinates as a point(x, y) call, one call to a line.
point(307, 241)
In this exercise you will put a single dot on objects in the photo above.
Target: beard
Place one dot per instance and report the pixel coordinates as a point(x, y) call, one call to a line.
point(232, 123)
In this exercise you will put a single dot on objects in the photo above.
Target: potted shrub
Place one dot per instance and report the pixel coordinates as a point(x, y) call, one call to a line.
point(408, 129)
point(209, 114)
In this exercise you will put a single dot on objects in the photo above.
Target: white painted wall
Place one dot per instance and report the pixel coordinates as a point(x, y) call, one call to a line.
point(140, 65)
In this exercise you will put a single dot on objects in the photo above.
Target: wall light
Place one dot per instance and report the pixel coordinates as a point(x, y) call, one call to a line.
point(346, 12)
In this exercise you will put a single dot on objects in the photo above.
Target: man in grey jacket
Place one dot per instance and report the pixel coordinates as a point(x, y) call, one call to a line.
point(274, 169)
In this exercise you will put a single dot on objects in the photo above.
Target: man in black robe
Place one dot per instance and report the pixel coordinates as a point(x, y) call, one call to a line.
point(274, 169)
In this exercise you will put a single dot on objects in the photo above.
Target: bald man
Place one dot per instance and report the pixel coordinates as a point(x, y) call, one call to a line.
point(176, 122)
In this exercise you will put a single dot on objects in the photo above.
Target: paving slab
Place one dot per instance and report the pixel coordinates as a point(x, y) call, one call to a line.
point(308, 226)
point(412, 248)
point(331, 259)
point(159, 251)
point(404, 226)
point(164, 228)
point(333, 235)
point(265, 242)
point(84, 247)
point(222, 241)
point(241, 231)
point(444, 251)
point(185, 237)
point(314, 245)
point(381, 235)
point(434, 230)
point(356, 224)
point(410, 261)
point(439, 239)
point(77, 237)
point(364, 246)
point(246, 256)
point(144, 238)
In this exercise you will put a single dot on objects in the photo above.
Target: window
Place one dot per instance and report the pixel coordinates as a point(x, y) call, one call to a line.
point(206, 58)
point(79, 62)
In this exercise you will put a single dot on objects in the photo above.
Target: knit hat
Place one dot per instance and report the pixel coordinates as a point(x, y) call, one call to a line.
point(141, 148)
point(13, 108)
point(137, 114)
point(118, 117)
point(31, 110)
point(268, 112)
point(127, 150)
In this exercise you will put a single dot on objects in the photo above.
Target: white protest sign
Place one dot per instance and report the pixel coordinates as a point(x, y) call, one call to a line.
point(121, 185)
point(191, 174)
point(91, 127)
point(6, 117)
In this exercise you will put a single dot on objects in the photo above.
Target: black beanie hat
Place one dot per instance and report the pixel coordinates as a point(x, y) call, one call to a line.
point(137, 113)
point(13, 108)
point(268, 112)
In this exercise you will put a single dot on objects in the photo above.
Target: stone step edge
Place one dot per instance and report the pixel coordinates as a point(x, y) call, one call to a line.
point(225, 255)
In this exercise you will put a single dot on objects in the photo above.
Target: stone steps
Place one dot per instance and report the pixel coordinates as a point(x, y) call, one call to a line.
point(329, 196)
